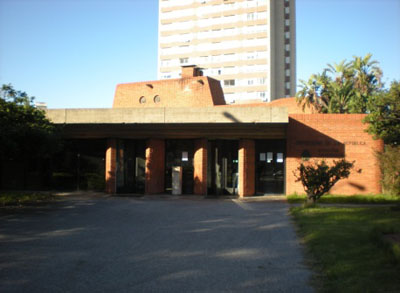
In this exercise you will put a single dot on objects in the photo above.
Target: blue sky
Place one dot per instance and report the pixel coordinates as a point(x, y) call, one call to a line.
point(72, 53)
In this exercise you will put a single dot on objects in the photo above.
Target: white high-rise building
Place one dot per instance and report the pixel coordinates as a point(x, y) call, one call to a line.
point(249, 45)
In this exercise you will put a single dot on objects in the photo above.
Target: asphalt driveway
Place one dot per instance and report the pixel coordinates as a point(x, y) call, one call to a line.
point(105, 244)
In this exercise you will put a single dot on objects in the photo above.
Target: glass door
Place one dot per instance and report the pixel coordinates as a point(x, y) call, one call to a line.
point(222, 167)
point(130, 166)
point(270, 166)
point(179, 153)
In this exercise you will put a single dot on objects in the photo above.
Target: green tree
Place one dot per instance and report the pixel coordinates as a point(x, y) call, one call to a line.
point(318, 177)
point(367, 82)
point(384, 118)
point(384, 123)
point(342, 88)
point(314, 93)
point(25, 132)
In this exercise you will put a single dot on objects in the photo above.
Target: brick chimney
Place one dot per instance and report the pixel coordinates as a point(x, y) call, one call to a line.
point(191, 71)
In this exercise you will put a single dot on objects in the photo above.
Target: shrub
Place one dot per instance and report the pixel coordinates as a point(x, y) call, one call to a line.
point(63, 181)
point(389, 162)
point(318, 178)
point(95, 181)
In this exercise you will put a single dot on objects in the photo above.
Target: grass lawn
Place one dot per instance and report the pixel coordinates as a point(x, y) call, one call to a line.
point(367, 199)
point(24, 198)
point(347, 250)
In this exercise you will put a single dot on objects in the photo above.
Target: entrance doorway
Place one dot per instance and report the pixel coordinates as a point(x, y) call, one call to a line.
point(131, 166)
point(222, 167)
point(270, 166)
point(179, 153)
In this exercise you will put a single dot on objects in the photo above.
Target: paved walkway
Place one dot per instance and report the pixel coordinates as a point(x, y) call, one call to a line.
point(108, 244)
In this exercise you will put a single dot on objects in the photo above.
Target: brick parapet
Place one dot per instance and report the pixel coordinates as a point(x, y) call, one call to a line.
point(198, 91)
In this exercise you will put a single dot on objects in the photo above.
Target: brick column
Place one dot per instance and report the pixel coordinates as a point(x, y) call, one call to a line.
point(111, 166)
point(200, 167)
point(155, 166)
point(246, 167)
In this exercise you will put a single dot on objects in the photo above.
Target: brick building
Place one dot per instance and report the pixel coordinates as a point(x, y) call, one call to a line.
point(243, 149)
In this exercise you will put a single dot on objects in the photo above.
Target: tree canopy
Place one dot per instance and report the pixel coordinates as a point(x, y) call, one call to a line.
point(384, 119)
point(25, 132)
point(345, 87)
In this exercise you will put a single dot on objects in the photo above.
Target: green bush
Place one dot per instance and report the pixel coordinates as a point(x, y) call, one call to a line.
point(11, 198)
point(95, 181)
point(318, 177)
point(389, 162)
point(63, 181)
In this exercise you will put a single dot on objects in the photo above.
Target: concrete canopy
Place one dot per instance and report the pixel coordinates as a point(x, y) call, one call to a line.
point(212, 122)
point(219, 114)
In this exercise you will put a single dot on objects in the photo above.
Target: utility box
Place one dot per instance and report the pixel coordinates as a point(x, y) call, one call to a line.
point(177, 180)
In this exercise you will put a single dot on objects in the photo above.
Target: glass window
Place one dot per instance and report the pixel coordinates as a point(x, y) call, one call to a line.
point(251, 55)
point(250, 16)
point(165, 62)
point(157, 99)
point(229, 82)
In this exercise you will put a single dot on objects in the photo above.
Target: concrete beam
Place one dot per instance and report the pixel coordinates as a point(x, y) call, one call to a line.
point(220, 114)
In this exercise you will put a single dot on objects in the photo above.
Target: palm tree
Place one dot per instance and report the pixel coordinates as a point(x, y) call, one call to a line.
point(342, 71)
point(341, 94)
point(341, 88)
point(367, 81)
point(346, 87)
point(313, 93)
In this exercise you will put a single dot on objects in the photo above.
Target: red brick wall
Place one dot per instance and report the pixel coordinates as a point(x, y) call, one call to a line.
point(191, 71)
point(155, 164)
point(111, 165)
point(199, 91)
point(292, 106)
point(246, 167)
point(200, 167)
point(289, 103)
point(330, 137)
